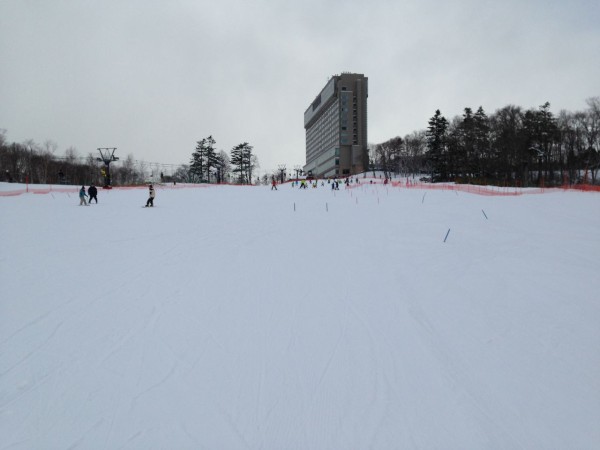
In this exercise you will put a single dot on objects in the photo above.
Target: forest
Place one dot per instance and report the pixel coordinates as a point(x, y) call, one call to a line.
point(511, 147)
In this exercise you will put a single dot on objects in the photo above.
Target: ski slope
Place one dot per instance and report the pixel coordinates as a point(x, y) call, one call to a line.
point(243, 318)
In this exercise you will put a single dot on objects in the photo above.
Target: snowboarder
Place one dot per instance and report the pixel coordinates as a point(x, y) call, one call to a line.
point(93, 192)
point(82, 196)
point(151, 195)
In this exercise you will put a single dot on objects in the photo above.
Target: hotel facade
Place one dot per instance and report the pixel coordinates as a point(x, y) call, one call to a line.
point(336, 128)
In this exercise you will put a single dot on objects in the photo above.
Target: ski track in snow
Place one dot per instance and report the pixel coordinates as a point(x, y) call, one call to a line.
point(237, 317)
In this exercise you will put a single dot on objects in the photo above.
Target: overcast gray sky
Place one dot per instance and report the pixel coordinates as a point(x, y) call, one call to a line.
point(153, 77)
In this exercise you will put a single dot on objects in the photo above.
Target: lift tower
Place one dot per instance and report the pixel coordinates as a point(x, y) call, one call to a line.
point(107, 155)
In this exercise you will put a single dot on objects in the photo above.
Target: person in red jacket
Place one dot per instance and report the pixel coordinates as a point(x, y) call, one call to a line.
point(273, 184)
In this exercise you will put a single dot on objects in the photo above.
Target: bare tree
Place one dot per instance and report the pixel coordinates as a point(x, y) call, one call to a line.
point(592, 135)
point(128, 166)
point(254, 165)
point(415, 145)
point(142, 168)
point(183, 174)
point(31, 148)
point(71, 155)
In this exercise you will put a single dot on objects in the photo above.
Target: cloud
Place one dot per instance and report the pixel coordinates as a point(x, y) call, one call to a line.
point(153, 77)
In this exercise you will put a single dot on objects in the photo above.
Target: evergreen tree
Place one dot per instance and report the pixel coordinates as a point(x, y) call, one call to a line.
point(222, 166)
point(549, 136)
point(508, 144)
point(241, 161)
point(436, 144)
point(454, 150)
point(203, 159)
point(211, 157)
point(197, 162)
point(465, 158)
point(542, 132)
point(481, 143)
point(237, 162)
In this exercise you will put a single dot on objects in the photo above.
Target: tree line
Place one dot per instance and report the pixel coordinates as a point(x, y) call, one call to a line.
point(512, 146)
point(30, 162)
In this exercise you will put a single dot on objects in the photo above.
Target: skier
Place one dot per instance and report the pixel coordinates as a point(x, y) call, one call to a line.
point(151, 195)
point(273, 184)
point(93, 192)
point(82, 196)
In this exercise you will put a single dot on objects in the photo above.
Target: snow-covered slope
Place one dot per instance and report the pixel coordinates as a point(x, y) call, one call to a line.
point(240, 317)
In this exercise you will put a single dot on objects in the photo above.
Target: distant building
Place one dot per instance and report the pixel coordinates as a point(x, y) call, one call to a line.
point(336, 128)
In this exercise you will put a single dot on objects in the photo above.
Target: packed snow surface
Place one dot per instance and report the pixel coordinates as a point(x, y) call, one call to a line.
point(244, 318)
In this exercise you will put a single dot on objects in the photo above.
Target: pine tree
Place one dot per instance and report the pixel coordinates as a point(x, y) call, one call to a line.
point(466, 158)
point(241, 160)
point(481, 147)
point(542, 132)
point(436, 144)
point(210, 156)
point(236, 162)
point(222, 166)
point(197, 162)
point(508, 145)
point(203, 159)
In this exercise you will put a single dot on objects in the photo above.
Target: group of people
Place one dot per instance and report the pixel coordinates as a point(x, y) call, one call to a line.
point(92, 194)
point(335, 184)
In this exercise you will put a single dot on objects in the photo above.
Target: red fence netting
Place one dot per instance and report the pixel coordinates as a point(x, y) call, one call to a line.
point(405, 184)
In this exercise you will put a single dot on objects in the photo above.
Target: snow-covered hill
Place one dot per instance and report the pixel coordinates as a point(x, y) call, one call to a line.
point(245, 318)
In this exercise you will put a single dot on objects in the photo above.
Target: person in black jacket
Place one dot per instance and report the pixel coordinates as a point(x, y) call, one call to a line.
point(93, 192)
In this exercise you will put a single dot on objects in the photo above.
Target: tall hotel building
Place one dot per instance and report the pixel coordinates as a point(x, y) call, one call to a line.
point(336, 128)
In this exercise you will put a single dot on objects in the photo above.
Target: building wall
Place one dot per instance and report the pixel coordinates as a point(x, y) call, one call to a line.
point(323, 135)
point(336, 127)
